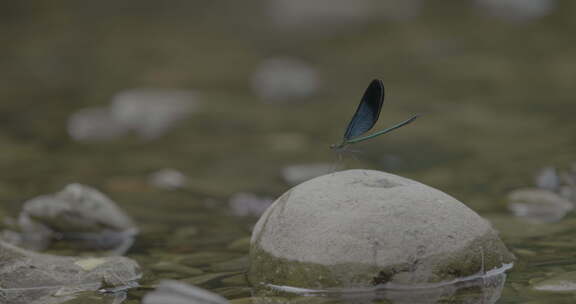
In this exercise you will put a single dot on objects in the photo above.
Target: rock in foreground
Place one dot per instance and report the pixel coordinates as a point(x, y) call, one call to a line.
point(27, 277)
point(361, 228)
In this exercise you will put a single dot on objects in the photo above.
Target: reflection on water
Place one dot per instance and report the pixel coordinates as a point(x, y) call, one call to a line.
point(483, 290)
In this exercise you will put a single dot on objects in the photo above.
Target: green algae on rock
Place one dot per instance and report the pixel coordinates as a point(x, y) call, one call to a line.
point(364, 228)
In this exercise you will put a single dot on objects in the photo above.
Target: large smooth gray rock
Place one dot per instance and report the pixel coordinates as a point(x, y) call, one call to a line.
point(360, 228)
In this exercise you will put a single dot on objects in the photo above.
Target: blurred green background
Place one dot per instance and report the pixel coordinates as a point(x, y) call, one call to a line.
point(496, 93)
point(495, 86)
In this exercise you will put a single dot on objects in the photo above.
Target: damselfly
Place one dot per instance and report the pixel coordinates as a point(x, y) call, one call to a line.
point(367, 115)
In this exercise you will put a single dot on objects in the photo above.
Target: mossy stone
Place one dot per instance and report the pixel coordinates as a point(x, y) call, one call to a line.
point(361, 228)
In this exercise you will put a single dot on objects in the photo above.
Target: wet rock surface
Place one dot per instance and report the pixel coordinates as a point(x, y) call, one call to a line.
point(27, 277)
point(79, 214)
point(361, 228)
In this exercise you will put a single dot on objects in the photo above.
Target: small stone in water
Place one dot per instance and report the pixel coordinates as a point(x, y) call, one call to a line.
point(168, 179)
point(94, 124)
point(283, 79)
point(564, 282)
point(79, 214)
point(538, 204)
point(151, 112)
point(248, 204)
point(548, 179)
point(173, 292)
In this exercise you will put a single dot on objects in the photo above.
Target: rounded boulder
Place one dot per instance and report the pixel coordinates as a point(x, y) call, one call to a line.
point(363, 228)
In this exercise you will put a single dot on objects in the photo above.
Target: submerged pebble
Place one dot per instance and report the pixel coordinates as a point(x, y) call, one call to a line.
point(94, 124)
point(564, 282)
point(173, 292)
point(361, 228)
point(548, 179)
point(284, 79)
point(78, 214)
point(169, 179)
point(552, 198)
point(538, 204)
point(152, 112)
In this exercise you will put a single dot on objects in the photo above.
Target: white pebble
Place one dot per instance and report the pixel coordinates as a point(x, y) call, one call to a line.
point(282, 79)
point(168, 179)
point(151, 112)
point(94, 124)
